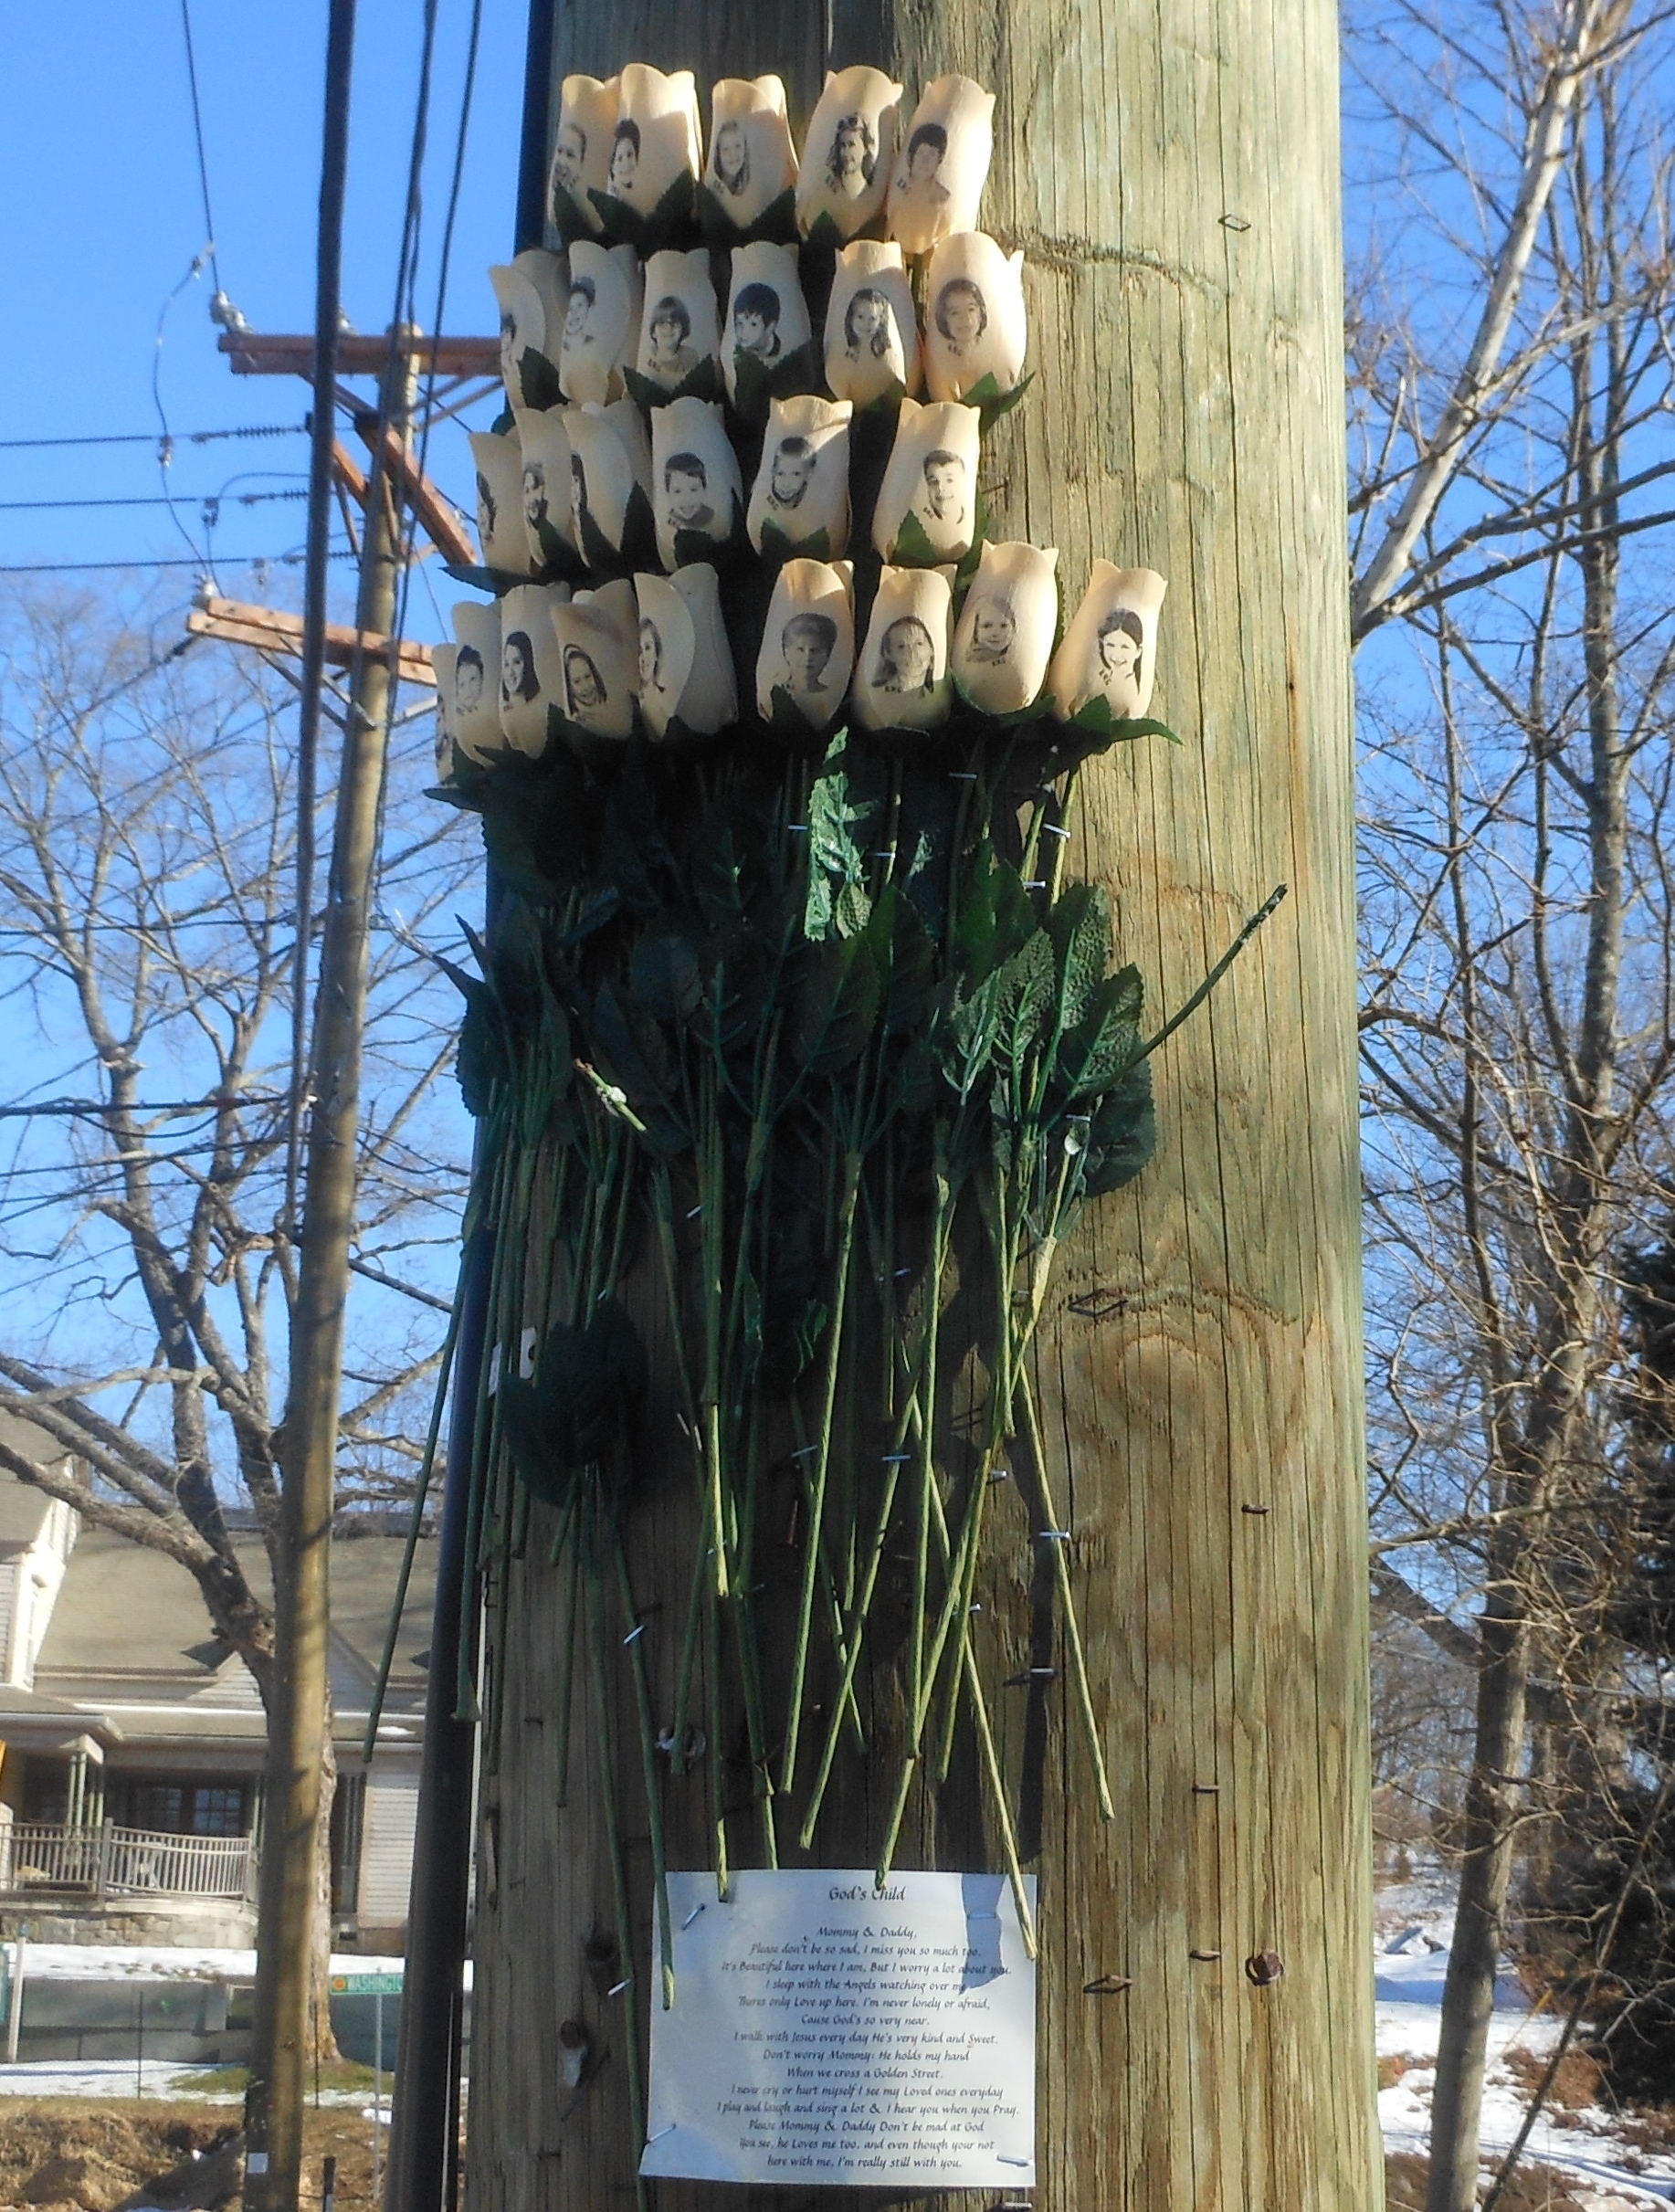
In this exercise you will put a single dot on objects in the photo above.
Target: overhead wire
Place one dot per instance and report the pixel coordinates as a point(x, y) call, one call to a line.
point(207, 498)
point(149, 438)
point(197, 132)
point(63, 568)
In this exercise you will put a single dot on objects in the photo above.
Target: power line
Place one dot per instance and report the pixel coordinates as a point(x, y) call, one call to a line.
point(197, 132)
point(58, 568)
point(154, 437)
point(207, 498)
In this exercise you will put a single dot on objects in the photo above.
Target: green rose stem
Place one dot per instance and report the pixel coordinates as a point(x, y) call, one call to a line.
point(465, 1699)
point(852, 1160)
point(635, 1643)
point(718, 1773)
point(613, 1828)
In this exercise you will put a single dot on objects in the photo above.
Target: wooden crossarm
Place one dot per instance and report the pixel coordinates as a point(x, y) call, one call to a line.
point(236, 622)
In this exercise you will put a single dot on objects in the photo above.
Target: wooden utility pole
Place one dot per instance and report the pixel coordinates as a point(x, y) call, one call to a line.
point(298, 1729)
point(1205, 2032)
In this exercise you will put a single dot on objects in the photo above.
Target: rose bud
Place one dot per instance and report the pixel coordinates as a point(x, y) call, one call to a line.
point(809, 641)
point(802, 487)
point(927, 505)
point(767, 317)
point(544, 437)
point(976, 326)
point(685, 663)
point(902, 673)
point(500, 502)
point(656, 141)
point(936, 185)
point(696, 485)
point(610, 456)
point(679, 331)
point(530, 673)
point(582, 148)
point(1110, 651)
point(872, 331)
point(848, 152)
point(533, 291)
point(474, 709)
point(602, 313)
point(1003, 638)
point(751, 160)
point(598, 649)
point(442, 659)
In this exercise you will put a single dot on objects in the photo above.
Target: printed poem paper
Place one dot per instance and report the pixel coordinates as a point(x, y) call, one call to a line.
point(827, 2031)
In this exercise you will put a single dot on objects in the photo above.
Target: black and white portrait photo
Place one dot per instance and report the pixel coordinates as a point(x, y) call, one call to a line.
point(1110, 649)
point(945, 490)
point(790, 473)
point(767, 317)
point(685, 663)
point(993, 631)
point(686, 493)
point(602, 320)
point(809, 641)
point(907, 659)
point(755, 322)
point(597, 645)
point(581, 162)
point(678, 332)
point(751, 160)
point(936, 185)
point(500, 502)
point(1003, 638)
point(871, 328)
point(901, 679)
point(806, 643)
point(802, 488)
point(529, 669)
point(978, 326)
point(474, 707)
point(584, 687)
point(926, 504)
point(849, 150)
point(610, 457)
point(696, 485)
point(655, 140)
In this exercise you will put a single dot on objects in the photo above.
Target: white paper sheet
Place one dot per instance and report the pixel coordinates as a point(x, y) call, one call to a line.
point(824, 2031)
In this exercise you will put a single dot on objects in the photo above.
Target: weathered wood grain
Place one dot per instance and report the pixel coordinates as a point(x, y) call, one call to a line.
point(1172, 174)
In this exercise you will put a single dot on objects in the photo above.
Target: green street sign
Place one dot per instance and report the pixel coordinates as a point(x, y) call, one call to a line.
point(366, 1984)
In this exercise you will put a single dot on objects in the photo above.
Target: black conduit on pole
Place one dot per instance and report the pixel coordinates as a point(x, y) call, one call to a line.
point(423, 2168)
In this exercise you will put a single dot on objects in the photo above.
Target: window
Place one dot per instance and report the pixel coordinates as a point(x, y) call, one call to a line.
point(185, 1808)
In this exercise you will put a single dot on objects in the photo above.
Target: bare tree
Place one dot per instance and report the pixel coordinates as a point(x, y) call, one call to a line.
point(1519, 1023)
point(146, 826)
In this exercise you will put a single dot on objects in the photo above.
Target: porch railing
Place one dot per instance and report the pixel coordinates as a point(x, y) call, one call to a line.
point(40, 1854)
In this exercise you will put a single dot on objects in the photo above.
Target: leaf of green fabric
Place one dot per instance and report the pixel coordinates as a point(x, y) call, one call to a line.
point(835, 1005)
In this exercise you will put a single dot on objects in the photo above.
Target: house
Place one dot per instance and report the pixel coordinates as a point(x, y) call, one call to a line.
point(131, 1740)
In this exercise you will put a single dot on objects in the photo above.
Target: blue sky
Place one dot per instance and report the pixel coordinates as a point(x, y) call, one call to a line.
point(99, 176)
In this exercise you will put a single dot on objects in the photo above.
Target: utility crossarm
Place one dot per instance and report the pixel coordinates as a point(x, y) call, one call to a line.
point(268, 629)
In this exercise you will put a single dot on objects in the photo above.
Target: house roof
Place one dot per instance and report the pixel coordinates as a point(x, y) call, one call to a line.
point(130, 1644)
point(24, 1511)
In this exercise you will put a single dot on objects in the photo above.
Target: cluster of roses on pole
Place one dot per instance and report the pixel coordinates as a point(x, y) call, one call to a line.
point(791, 1022)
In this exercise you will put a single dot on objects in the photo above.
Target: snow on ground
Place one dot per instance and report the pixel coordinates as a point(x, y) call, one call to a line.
point(1413, 1926)
point(166, 1963)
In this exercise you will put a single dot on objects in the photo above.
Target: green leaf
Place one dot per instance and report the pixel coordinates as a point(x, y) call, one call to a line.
point(776, 547)
point(670, 222)
point(579, 1405)
point(844, 804)
point(703, 382)
point(722, 554)
point(776, 223)
point(1105, 1043)
point(991, 402)
point(1121, 1135)
point(1023, 1002)
point(484, 1055)
point(993, 920)
point(663, 975)
point(1098, 714)
point(835, 1006)
point(568, 217)
point(631, 1051)
point(801, 370)
point(494, 581)
point(1079, 926)
point(912, 548)
point(539, 380)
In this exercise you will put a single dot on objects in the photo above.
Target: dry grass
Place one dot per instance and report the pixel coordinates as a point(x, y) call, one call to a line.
point(121, 2143)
